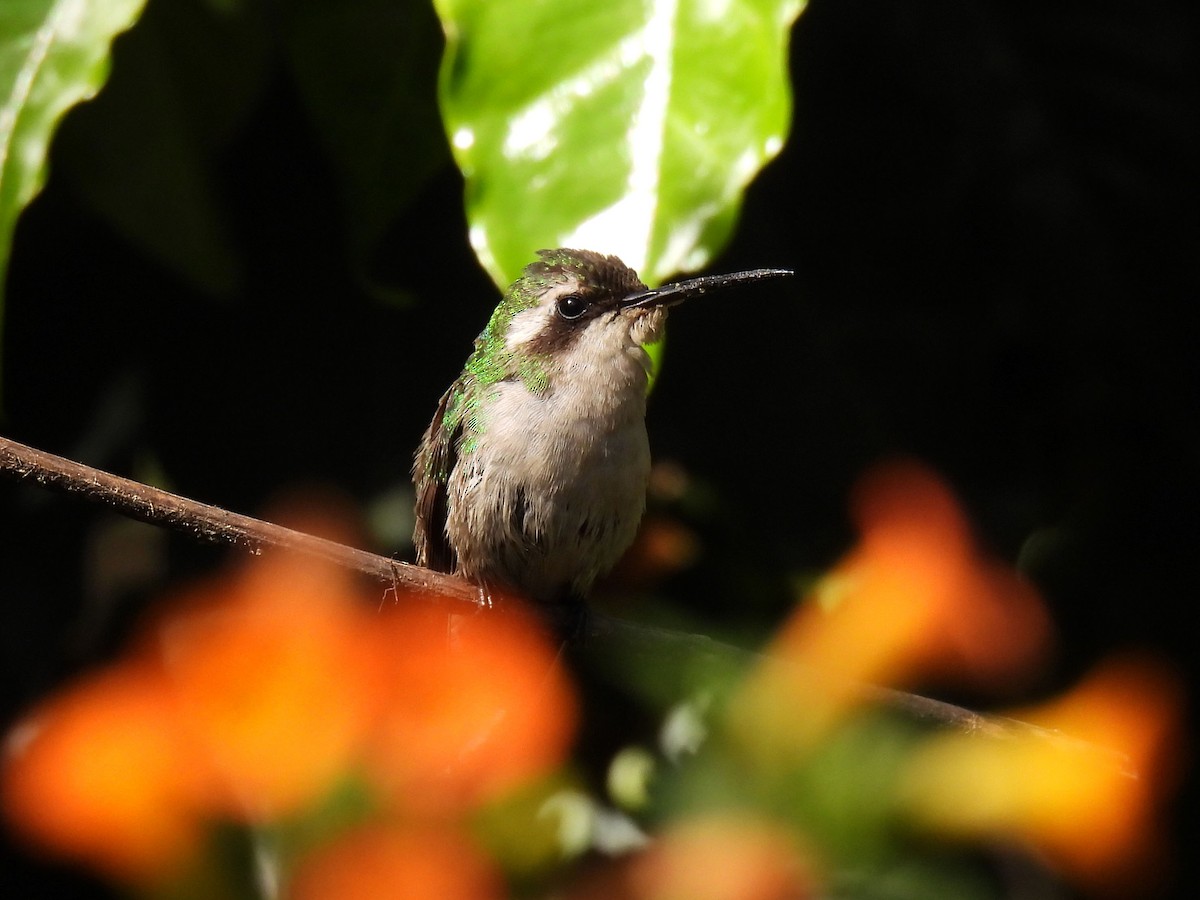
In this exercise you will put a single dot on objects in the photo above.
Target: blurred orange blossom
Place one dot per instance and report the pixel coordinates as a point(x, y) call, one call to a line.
point(274, 680)
point(381, 862)
point(914, 600)
point(98, 774)
point(730, 856)
point(256, 694)
point(477, 704)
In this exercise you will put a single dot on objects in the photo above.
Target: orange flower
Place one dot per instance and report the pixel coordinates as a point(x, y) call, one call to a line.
point(99, 774)
point(912, 600)
point(275, 681)
point(712, 858)
point(478, 704)
point(379, 862)
point(1090, 807)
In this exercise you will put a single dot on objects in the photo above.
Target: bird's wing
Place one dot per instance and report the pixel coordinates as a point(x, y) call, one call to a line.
point(434, 462)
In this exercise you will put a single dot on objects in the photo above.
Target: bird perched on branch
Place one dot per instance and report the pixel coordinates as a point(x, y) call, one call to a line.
point(532, 476)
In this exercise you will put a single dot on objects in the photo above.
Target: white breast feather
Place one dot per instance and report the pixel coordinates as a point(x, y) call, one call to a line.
point(567, 469)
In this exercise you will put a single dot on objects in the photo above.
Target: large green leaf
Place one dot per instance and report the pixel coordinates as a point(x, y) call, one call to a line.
point(53, 54)
point(625, 126)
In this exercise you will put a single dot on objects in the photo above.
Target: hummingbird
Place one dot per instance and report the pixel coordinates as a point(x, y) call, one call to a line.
point(531, 478)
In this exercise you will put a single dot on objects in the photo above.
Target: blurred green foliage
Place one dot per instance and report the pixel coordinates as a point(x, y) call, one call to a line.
point(52, 56)
point(144, 154)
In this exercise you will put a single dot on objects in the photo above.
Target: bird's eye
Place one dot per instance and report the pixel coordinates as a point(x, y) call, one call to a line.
point(571, 306)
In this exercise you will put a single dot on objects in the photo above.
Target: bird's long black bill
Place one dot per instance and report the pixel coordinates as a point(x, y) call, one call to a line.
point(670, 294)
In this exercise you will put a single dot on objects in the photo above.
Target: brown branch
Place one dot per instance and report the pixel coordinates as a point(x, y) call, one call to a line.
point(212, 524)
point(651, 645)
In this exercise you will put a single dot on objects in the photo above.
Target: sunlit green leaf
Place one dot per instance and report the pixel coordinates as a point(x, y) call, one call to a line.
point(53, 54)
point(625, 126)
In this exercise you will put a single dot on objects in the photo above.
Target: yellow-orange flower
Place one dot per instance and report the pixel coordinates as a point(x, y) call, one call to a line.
point(275, 680)
point(99, 774)
point(477, 704)
point(385, 863)
point(1087, 797)
point(913, 600)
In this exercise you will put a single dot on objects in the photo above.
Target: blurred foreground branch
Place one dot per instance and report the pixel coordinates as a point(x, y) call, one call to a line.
point(212, 524)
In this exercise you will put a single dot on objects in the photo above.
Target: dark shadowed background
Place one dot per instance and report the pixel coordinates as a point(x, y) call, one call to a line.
point(991, 208)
